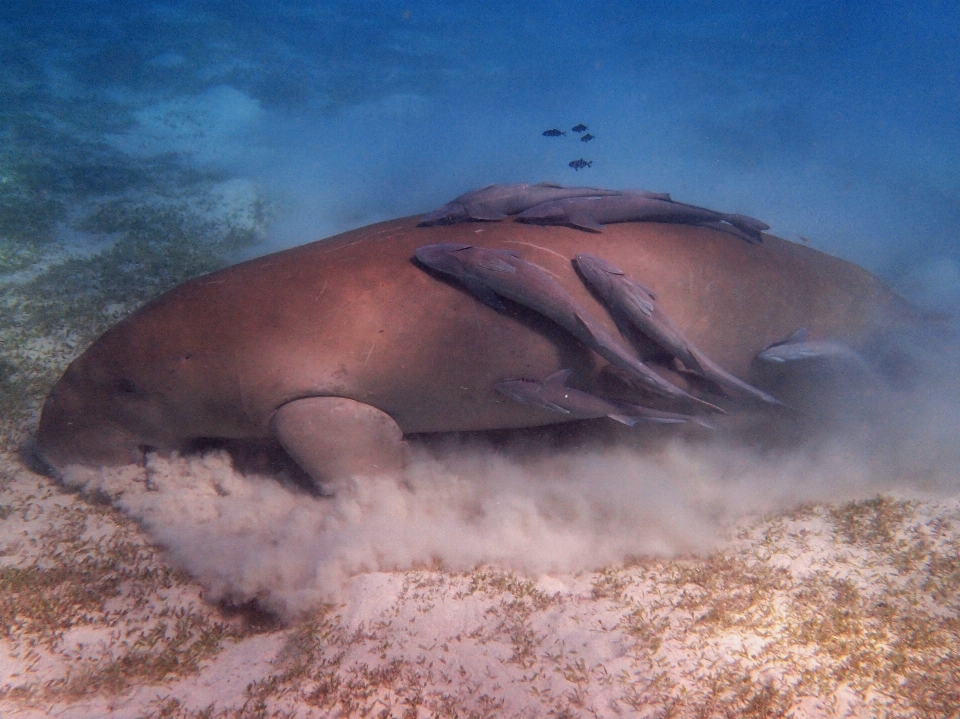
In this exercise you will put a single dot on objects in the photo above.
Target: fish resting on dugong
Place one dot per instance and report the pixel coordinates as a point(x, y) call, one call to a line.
point(339, 348)
point(497, 202)
point(634, 306)
point(554, 395)
point(489, 273)
point(593, 212)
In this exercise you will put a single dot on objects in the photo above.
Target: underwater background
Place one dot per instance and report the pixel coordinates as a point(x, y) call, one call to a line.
point(144, 143)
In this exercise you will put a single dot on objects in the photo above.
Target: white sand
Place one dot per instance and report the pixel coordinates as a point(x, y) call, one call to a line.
point(802, 611)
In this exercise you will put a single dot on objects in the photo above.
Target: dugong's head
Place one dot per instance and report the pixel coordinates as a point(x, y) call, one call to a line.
point(116, 400)
point(78, 424)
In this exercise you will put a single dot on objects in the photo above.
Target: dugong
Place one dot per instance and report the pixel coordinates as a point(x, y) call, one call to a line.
point(340, 348)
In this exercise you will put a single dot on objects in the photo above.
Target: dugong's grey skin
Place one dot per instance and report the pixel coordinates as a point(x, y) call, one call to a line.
point(497, 202)
point(591, 213)
point(340, 347)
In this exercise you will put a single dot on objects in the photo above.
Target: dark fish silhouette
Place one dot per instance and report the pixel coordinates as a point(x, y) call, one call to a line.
point(580, 164)
point(496, 202)
point(592, 213)
point(580, 128)
point(633, 305)
point(492, 274)
point(586, 138)
point(553, 395)
point(553, 133)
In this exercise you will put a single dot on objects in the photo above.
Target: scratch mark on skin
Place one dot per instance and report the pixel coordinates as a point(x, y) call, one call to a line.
point(550, 272)
point(538, 247)
point(476, 317)
point(369, 352)
point(322, 290)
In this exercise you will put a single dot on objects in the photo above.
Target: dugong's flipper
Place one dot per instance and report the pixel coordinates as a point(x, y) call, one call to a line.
point(334, 438)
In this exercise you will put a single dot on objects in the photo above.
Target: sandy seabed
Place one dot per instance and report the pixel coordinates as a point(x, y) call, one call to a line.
point(839, 610)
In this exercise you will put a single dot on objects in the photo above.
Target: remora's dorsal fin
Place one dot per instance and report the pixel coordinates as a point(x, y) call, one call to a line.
point(559, 378)
point(665, 196)
point(584, 221)
point(482, 212)
point(626, 419)
point(496, 264)
point(799, 336)
point(746, 222)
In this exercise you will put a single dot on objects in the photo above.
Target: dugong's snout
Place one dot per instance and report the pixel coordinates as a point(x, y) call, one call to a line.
point(74, 430)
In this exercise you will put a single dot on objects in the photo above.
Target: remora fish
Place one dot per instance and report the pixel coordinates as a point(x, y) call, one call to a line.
point(591, 213)
point(497, 202)
point(797, 348)
point(554, 395)
point(491, 274)
point(633, 305)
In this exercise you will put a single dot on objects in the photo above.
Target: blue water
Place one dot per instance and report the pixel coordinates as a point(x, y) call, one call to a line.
point(836, 122)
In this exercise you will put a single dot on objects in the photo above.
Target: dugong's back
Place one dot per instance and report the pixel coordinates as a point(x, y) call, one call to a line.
point(353, 317)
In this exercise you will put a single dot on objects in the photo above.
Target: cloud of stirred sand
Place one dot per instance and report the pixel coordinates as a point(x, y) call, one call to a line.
point(248, 536)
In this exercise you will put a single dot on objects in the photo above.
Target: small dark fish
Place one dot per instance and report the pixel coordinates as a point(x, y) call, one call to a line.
point(580, 128)
point(580, 164)
point(586, 138)
point(553, 133)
